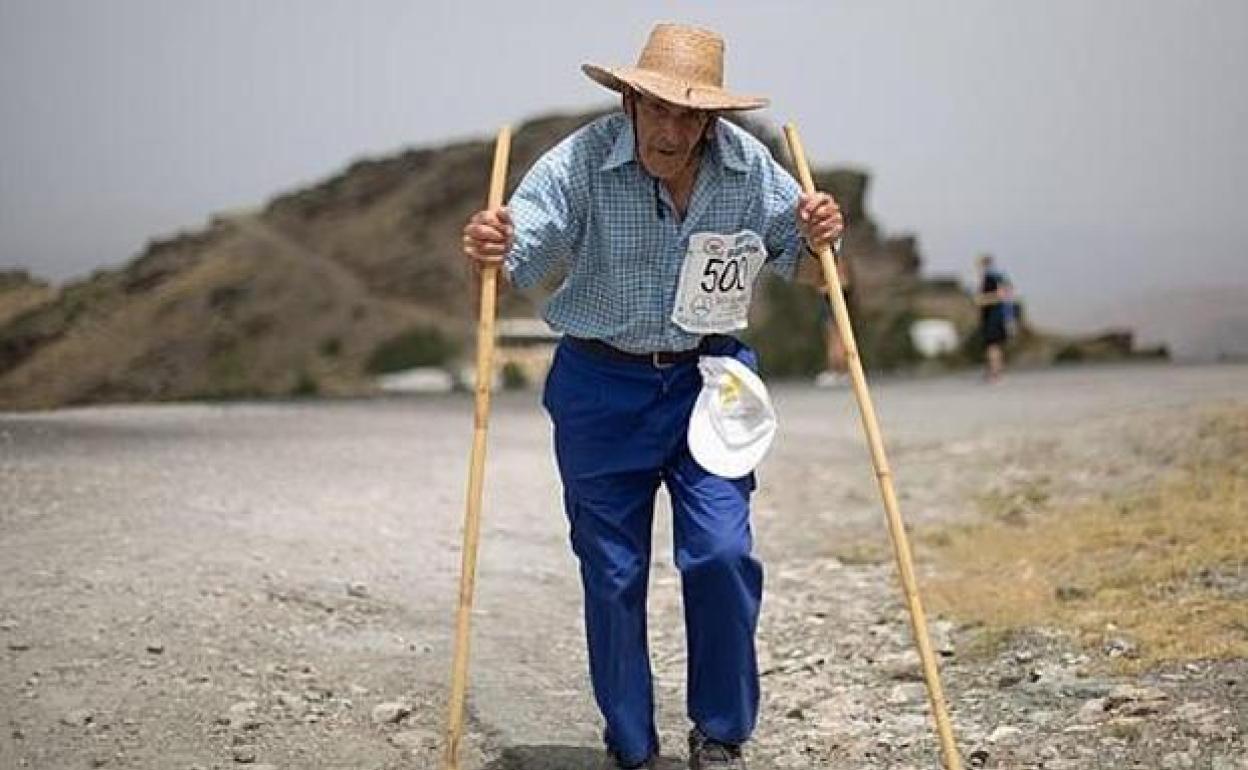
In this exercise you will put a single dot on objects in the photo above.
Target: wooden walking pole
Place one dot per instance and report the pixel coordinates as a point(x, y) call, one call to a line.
point(884, 476)
point(476, 470)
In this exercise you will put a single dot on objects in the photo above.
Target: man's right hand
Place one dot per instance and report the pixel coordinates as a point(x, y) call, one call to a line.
point(488, 236)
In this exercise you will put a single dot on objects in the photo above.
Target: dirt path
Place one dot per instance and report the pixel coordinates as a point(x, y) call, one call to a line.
point(218, 586)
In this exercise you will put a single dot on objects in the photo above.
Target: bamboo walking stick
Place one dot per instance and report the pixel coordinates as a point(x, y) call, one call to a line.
point(476, 470)
point(884, 476)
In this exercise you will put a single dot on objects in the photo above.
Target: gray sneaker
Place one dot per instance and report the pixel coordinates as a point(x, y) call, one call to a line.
point(708, 754)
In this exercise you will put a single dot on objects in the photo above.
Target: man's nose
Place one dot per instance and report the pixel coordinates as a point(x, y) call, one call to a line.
point(670, 130)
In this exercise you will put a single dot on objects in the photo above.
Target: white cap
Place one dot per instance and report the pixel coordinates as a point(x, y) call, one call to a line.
point(733, 421)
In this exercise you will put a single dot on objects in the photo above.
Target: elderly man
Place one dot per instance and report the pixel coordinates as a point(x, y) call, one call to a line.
point(661, 217)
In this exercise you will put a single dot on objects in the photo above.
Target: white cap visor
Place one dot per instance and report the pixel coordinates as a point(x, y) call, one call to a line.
point(733, 421)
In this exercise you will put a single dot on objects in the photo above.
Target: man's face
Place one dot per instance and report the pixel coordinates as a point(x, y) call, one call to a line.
point(667, 135)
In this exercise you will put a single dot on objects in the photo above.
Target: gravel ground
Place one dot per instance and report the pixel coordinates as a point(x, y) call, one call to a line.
point(272, 585)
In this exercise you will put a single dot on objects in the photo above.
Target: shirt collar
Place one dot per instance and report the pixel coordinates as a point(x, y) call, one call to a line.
point(731, 154)
point(625, 148)
point(727, 152)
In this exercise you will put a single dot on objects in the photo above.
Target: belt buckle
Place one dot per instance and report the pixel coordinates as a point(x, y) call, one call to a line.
point(656, 360)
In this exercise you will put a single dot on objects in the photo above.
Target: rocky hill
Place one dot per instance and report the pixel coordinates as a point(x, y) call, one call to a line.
point(297, 297)
point(20, 292)
point(324, 287)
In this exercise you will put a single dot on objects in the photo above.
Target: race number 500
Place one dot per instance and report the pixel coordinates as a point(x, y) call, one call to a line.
point(725, 274)
point(716, 281)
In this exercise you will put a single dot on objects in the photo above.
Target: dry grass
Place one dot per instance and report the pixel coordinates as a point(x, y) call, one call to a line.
point(1166, 569)
point(17, 301)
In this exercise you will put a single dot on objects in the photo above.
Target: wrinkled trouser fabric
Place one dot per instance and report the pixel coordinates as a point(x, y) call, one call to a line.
point(620, 431)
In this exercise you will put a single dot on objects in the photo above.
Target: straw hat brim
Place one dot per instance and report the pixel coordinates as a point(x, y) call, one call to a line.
point(693, 96)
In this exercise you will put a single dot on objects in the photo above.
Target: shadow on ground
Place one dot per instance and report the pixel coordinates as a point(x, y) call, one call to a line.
point(552, 757)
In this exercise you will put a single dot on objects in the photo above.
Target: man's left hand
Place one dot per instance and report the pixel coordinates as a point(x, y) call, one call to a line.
point(819, 219)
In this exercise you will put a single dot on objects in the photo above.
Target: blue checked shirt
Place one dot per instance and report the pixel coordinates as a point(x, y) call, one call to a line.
point(588, 206)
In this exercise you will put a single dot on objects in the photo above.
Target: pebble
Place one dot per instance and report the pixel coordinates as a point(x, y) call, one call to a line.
point(287, 700)
point(1177, 760)
point(904, 667)
point(1092, 711)
point(415, 739)
point(1131, 700)
point(942, 638)
point(1121, 647)
point(1004, 733)
point(907, 693)
point(390, 713)
point(241, 714)
point(1006, 681)
point(77, 718)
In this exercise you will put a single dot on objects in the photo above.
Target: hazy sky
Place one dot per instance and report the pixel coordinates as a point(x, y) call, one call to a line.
point(1098, 147)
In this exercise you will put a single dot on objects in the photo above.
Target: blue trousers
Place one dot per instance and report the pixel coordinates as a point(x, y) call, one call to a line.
point(620, 431)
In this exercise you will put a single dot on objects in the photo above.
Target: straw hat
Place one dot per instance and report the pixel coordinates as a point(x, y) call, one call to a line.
point(681, 65)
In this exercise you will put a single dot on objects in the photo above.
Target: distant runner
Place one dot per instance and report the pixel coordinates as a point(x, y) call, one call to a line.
point(997, 316)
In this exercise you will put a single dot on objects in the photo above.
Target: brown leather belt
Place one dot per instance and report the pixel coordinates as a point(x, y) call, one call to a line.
point(660, 359)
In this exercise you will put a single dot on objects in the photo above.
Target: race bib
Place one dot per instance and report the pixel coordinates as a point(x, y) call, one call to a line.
point(716, 282)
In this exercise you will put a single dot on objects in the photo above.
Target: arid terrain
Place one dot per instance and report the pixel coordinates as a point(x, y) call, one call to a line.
point(272, 584)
